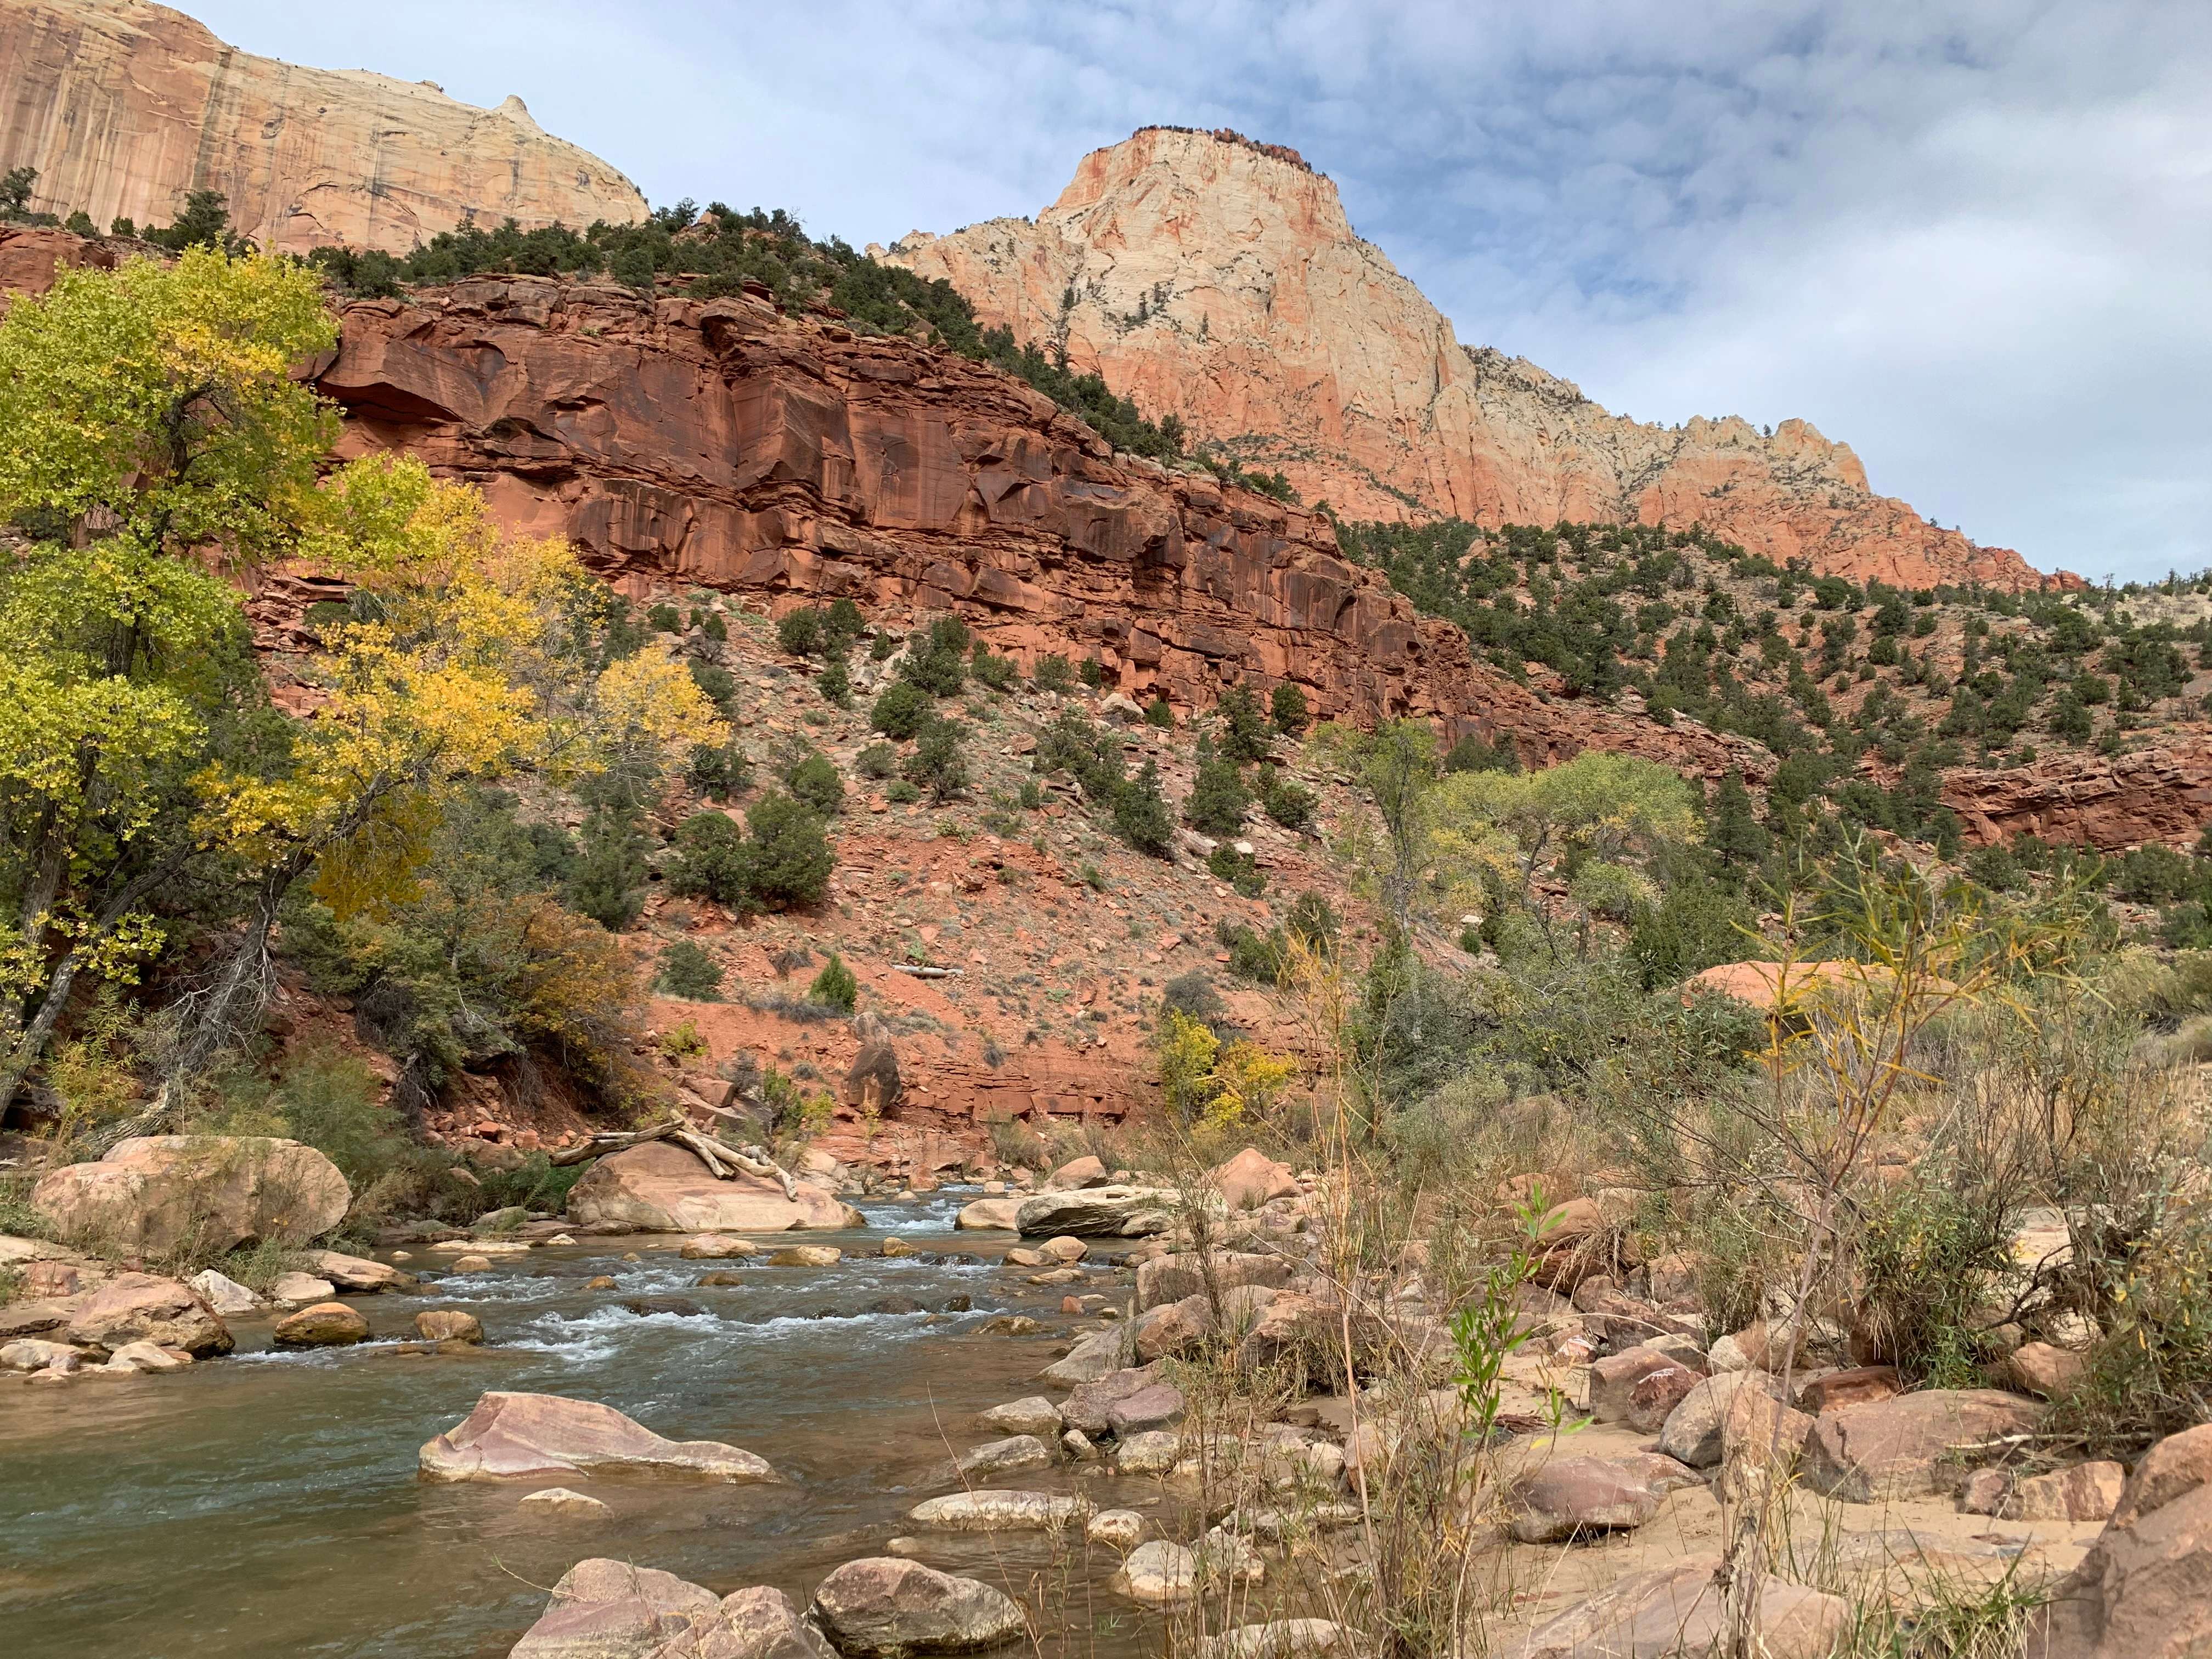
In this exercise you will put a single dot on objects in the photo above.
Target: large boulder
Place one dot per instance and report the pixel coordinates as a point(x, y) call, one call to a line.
point(226, 1297)
point(532, 1436)
point(2144, 1590)
point(1085, 1171)
point(1579, 1497)
point(1905, 1447)
point(1171, 1278)
point(1098, 1213)
point(884, 1606)
point(607, 1609)
point(1679, 1609)
point(1250, 1179)
point(357, 1272)
point(989, 1215)
point(1086, 1408)
point(660, 1187)
point(207, 1193)
point(325, 1324)
point(141, 1307)
point(1694, 1429)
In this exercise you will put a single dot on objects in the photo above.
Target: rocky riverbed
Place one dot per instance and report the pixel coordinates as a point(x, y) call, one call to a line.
point(269, 1503)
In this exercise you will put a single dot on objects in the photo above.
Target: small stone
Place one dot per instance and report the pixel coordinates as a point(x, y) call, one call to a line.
point(1009, 1325)
point(1000, 1511)
point(715, 1246)
point(32, 1353)
point(1118, 1529)
point(884, 1605)
point(1151, 1453)
point(146, 1356)
point(298, 1289)
point(2083, 1491)
point(226, 1297)
point(1985, 1491)
point(600, 1282)
point(472, 1264)
point(448, 1325)
point(1573, 1496)
point(896, 1247)
point(326, 1325)
point(722, 1277)
point(1076, 1446)
point(1158, 1572)
point(560, 1500)
point(1065, 1247)
point(1034, 1415)
point(808, 1255)
point(1019, 1451)
point(1860, 1386)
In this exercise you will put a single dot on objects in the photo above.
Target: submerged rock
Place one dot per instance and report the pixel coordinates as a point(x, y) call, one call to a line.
point(560, 1500)
point(529, 1436)
point(1000, 1511)
point(884, 1606)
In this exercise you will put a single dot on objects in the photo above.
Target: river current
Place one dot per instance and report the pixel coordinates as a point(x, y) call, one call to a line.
point(267, 1506)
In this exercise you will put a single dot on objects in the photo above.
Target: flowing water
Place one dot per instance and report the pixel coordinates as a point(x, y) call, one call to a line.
point(267, 1505)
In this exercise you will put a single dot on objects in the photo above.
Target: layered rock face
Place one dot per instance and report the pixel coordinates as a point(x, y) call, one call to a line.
point(723, 444)
point(2161, 793)
point(1206, 276)
point(124, 107)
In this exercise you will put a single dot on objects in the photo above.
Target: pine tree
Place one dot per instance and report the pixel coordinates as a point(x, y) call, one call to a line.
point(1218, 800)
point(1140, 813)
point(1734, 833)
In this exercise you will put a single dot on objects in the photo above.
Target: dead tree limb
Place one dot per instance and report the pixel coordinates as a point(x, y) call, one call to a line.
point(724, 1161)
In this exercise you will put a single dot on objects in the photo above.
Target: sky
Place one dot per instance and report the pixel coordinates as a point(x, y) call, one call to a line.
point(1973, 240)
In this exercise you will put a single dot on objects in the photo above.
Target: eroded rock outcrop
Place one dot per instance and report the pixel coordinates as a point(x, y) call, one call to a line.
point(718, 443)
point(1218, 279)
point(122, 107)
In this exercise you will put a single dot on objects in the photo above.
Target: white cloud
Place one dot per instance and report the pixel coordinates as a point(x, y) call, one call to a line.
point(1972, 238)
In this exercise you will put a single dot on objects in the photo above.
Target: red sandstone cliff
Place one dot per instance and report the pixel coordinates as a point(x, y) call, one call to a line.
point(124, 107)
point(1206, 276)
point(725, 445)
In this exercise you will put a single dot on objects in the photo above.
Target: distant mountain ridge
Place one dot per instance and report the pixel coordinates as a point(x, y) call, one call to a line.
point(1210, 276)
point(124, 107)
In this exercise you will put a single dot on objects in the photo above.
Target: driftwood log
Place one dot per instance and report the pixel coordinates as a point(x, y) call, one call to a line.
point(723, 1161)
point(925, 973)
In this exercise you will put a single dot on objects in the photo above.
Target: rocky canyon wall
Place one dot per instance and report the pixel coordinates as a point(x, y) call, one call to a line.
point(1206, 276)
point(723, 444)
point(124, 107)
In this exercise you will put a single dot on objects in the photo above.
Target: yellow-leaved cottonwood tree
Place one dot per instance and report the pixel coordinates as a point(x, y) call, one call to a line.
point(153, 435)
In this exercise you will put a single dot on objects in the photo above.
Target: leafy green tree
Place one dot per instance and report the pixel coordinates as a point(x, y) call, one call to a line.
point(937, 661)
point(788, 858)
point(900, 709)
point(1289, 803)
point(607, 882)
point(800, 632)
point(815, 784)
point(710, 859)
point(1160, 714)
point(16, 187)
point(834, 682)
point(1218, 800)
point(1244, 734)
point(939, 760)
point(1140, 813)
point(1287, 705)
point(1733, 830)
point(1054, 673)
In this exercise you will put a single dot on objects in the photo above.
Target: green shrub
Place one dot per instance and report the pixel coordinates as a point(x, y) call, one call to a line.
point(719, 685)
point(1287, 706)
point(881, 648)
point(841, 624)
point(937, 662)
point(834, 682)
point(788, 858)
point(664, 618)
point(709, 861)
point(1140, 813)
point(998, 673)
point(939, 763)
point(1030, 797)
point(719, 774)
point(1244, 734)
point(901, 794)
point(1093, 672)
point(900, 709)
point(1053, 673)
point(1289, 803)
point(1087, 752)
point(877, 760)
point(1092, 877)
point(607, 880)
point(835, 986)
point(1240, 870)
point(800, 632)
point(1472, 753)
point(814, 783)
point(1218, 799)
point(329, 1100)
point(688, 972)
point(1160, 714)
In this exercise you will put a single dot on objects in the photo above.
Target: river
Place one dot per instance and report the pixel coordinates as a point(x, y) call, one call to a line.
point(267, 1505)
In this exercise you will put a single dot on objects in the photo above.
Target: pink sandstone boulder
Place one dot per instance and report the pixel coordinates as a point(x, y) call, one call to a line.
point(534, 1436)
point(157, 1193)
point(1251, 1178)
point(660, 1187)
